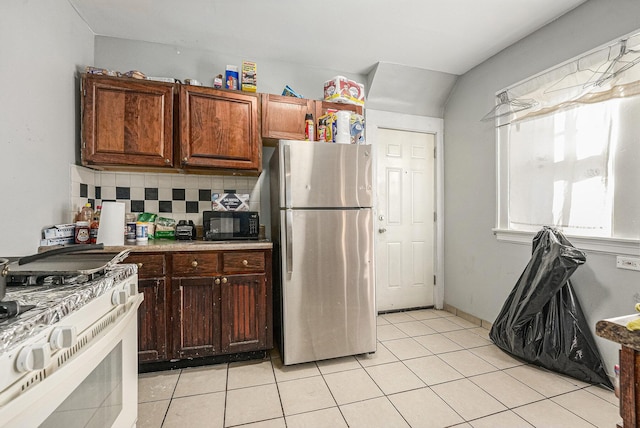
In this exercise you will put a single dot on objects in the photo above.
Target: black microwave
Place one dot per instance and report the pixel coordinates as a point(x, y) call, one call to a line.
point(229, 225)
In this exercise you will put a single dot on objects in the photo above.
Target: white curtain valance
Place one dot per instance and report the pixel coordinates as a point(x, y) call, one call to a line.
point(605, 73)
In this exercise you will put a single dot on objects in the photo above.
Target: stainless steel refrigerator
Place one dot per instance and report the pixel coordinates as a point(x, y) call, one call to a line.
point(322, 229)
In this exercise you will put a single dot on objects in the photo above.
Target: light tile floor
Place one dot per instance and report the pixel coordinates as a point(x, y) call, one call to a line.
point(431, 369)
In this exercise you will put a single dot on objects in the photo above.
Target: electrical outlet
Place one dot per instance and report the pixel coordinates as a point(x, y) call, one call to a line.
point(631, 263)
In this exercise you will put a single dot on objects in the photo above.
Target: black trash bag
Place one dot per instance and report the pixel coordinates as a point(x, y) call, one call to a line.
point(542, 322)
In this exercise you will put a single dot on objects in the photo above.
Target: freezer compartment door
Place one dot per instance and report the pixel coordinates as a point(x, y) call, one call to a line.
point(317, 175)
point(328, 286)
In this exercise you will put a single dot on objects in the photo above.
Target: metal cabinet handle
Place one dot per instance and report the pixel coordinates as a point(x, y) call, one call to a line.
point(382, 230)
point(224, 280)
point(139, 266)
point(217, 281)
point(245, 263)
point(185, 159)
point(167, 161)
point(194, 263)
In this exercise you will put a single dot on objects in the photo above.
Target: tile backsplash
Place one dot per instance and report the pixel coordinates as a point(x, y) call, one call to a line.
point(177, 196)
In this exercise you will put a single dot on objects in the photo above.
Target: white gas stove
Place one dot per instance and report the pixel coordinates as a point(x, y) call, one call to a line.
point(72, 359)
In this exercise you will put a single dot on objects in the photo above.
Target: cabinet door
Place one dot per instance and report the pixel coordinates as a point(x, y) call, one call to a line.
point(243, 313)
point(127, 122)
point(152, 321)
point(196, 320)
point(219, 129)
point(283, 117)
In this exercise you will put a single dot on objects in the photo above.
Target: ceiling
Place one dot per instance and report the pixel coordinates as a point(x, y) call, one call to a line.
point(448, 36)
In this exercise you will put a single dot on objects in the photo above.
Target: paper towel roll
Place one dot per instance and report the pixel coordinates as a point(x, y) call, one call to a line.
point(343, 126)
point(111, 229)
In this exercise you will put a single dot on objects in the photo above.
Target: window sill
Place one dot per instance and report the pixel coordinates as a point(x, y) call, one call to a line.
point(628, 247)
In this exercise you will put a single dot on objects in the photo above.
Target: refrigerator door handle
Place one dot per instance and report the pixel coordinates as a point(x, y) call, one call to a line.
point(287, 176)
point(289, 228)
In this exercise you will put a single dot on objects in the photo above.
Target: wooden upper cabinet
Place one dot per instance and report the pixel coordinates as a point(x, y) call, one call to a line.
point(219, 129)
point(321, 108)
point(127, 122)
point(283, 117)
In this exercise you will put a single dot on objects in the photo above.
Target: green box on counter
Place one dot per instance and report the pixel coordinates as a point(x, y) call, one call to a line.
point(165, 234)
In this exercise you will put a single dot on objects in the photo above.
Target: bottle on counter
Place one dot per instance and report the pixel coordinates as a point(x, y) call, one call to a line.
point(82, 232)
point(93, 227)
point(86, 213)
point(130, 229)
point(142, 232)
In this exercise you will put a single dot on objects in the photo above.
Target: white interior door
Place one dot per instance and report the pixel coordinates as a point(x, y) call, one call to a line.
point(405, 228)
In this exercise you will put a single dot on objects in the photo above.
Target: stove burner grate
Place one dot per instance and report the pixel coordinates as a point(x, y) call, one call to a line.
point(22, 280)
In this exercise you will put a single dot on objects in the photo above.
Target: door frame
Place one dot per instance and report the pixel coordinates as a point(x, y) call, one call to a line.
point(376, 119)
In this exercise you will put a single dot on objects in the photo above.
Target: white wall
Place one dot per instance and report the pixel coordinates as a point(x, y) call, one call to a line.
point(479, 271)
point(155, 59)
point(42, 43)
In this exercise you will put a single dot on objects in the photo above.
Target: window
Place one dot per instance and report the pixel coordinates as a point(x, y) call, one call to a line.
point(574, 166)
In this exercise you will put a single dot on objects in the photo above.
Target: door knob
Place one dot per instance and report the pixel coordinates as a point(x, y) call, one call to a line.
point(382, 230)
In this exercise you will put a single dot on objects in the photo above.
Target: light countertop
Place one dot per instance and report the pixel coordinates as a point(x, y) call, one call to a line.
point(615, 329)
point(159, 245)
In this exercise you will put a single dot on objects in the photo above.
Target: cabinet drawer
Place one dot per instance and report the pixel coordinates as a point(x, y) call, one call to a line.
point(195, 264)
point(243, 262)
point(149, 265)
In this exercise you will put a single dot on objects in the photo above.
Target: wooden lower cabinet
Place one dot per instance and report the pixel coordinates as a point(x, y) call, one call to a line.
point(153, 344)
point(152, 320)
point(196, 311)
point(203, 303)
point(629, 387)
point(243, 316)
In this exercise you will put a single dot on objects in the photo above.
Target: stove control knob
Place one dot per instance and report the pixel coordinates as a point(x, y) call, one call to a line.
point(133, 288)
point(119, 297)
point(62, 337)
point(34, 357)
